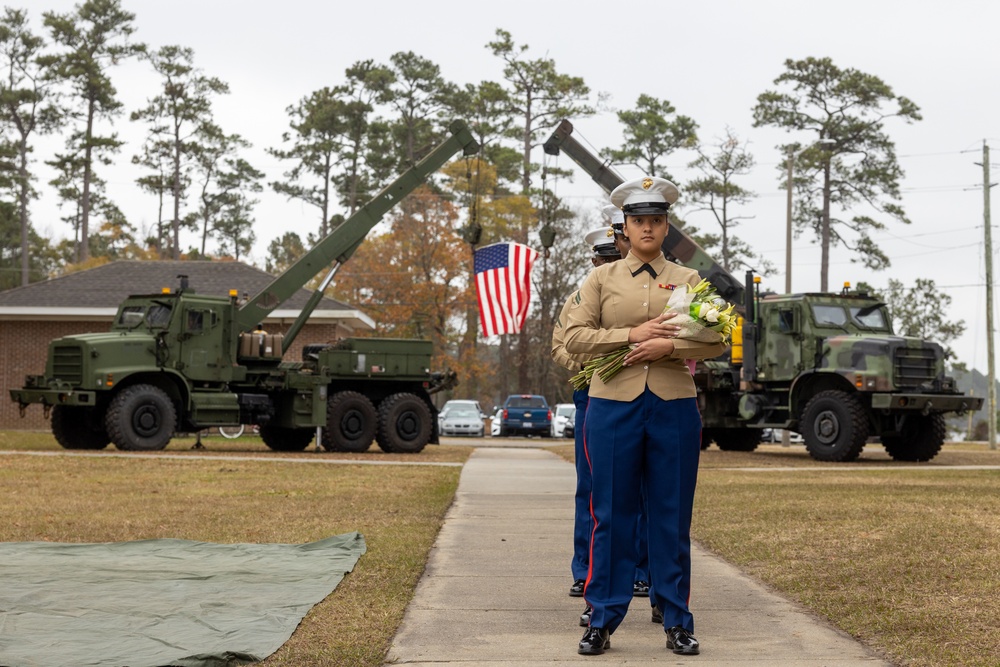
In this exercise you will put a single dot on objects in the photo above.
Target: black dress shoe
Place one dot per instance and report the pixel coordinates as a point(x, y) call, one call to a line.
point(657, 616)
point(640, 589)
point(585, 617)
point(680, 641)
point(595, 641)
point(576, 590)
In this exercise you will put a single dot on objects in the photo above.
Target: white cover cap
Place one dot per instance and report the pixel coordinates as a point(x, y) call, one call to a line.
point(645, 196)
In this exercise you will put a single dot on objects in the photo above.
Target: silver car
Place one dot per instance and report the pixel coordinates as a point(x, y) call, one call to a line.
point(462, 420)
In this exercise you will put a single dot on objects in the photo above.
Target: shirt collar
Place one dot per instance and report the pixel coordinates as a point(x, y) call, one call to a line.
point(633, 263)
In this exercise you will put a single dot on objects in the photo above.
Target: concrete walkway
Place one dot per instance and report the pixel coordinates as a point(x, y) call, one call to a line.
point(495, 589)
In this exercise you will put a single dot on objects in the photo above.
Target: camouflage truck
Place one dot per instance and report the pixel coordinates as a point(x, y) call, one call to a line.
point(826, 365)
point(182, 361)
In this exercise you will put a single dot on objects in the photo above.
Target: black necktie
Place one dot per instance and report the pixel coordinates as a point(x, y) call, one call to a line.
point(644, 267)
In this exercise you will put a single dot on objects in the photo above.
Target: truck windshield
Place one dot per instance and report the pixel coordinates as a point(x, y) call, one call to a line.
point(829, 315)
point(869, 318)
point(156, 316)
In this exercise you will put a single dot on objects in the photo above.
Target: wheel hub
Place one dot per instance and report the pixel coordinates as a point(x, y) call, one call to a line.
point(146, 421)
point(408, 425)
point(827, 427)
point(352, 424)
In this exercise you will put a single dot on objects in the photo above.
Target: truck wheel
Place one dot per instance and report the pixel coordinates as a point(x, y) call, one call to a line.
point(736, 439)
point(921, 438)
point(282, 439)
point(404, 424)
point(834, 426)
point(78, 427)
point(141, 418)
point(350, 423)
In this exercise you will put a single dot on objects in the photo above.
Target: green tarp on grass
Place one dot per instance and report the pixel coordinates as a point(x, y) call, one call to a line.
point(153, 603)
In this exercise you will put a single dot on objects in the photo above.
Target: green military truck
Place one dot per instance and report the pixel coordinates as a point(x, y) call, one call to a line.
point(179, 361)
point(827, 366)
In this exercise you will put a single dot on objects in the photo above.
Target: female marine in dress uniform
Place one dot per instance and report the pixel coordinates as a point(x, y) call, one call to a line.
point(642, 426)
point(602, 242)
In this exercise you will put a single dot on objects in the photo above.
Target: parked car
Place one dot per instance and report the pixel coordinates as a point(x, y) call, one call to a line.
point(560, 414)
point(569, 431)
point(495, 423)
point(526, 414)
point(774, 435)
point(463, 420)
point(455, 403)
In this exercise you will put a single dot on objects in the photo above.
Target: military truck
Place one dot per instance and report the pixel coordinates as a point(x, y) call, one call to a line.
point(827, 366)
point(182, 361)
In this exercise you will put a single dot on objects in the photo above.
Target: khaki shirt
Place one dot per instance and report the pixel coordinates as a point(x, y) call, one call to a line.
point(571, 362)
point(612, 301)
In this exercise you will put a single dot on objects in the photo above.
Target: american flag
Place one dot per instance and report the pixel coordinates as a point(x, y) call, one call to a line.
point(503, 284)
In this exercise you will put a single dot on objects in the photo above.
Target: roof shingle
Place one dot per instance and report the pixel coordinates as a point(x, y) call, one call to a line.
point(106, 286)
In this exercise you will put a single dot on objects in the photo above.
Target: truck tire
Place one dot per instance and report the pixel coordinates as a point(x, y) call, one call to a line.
point(351, 421)
point(834, 426)
point(141, 418)
point(404, 424)
point(78, 427)
point(736, 439)
point(283, 439)
point(920, 440)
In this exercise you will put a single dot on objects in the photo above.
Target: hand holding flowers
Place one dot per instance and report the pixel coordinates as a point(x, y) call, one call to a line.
point(699, 311)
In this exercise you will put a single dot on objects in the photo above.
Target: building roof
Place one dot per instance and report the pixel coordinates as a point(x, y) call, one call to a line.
point(97, 292)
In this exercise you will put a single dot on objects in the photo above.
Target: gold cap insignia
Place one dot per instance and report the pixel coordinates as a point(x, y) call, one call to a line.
point(647, 183)
point(610, 232)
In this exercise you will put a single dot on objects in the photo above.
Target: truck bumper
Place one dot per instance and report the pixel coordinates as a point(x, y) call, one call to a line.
point(54, 396)
point(927, 403)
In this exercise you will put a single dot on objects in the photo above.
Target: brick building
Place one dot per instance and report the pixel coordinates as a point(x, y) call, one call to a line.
point(87, 301)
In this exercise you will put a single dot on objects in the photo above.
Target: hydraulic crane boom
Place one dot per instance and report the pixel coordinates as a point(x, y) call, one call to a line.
point(341, 243)
point(678, 245)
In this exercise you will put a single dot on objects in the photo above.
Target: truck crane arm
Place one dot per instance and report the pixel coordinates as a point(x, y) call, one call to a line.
point(678, 246)
point(341, 243)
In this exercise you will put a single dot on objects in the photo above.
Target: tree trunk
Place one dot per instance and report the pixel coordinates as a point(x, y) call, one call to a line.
point(159, 222)
point(22, 197)
point(324, 228)
point(176, 223)
point(523, 349)
point(88, 150)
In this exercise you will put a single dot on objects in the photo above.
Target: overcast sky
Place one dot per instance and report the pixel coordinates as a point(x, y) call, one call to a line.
point(710, 59)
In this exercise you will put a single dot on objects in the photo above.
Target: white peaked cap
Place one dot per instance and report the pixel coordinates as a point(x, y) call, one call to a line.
point(613, 214)
point(645, 196)
point(601, 241)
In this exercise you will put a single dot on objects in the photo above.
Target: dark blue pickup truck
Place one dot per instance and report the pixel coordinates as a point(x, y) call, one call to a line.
point(526, 414)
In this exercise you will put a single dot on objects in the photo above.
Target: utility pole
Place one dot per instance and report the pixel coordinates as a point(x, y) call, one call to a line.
point(991, 416)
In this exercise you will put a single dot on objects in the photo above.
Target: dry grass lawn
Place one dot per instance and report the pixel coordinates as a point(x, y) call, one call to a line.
point(905, 559)
point(399, 510)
